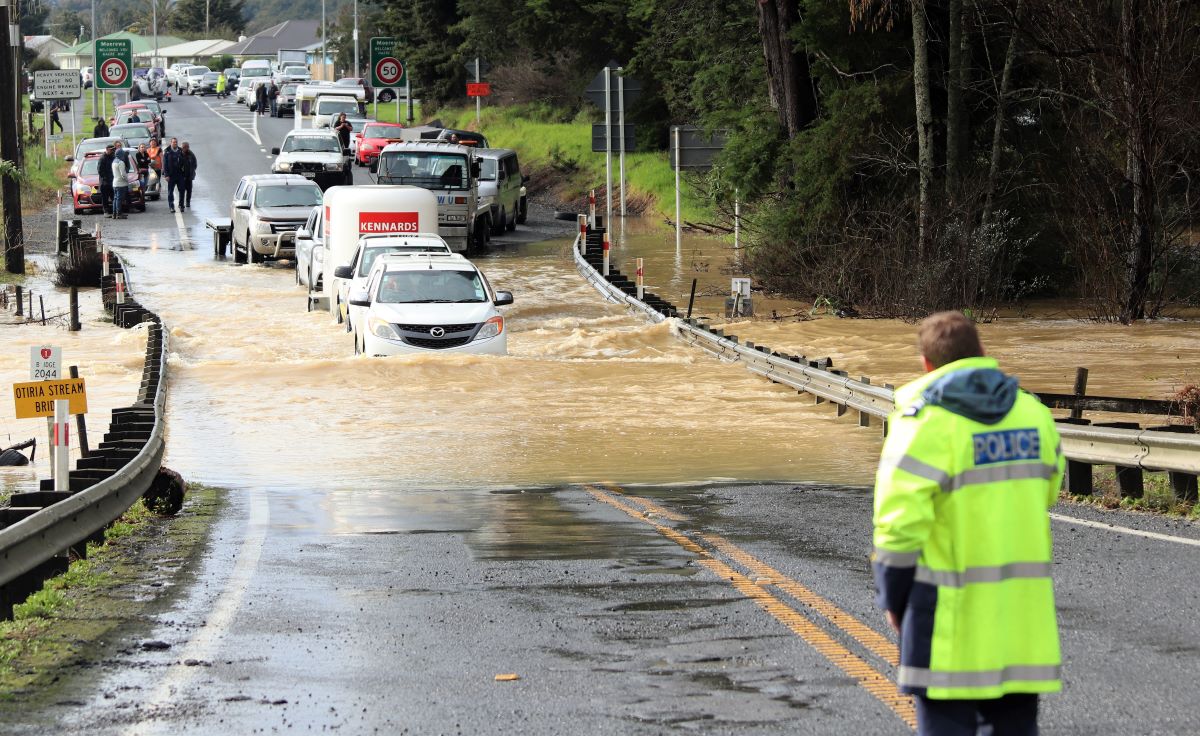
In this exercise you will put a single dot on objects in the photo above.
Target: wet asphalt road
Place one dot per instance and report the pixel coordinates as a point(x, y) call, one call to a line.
point(715, 609)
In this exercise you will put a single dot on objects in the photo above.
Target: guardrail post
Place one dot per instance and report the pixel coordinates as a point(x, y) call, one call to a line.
point(1080, 390)
point(1129, 479)
point(73, 318)
point(606, 247)
point(1183, 484)
point(864, 419)
point(891, 388)
point(120, 288)
point(103, 260)
point(691, 299)
point(641, 289)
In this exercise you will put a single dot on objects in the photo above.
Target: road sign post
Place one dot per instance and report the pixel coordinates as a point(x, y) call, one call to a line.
point(114, 63)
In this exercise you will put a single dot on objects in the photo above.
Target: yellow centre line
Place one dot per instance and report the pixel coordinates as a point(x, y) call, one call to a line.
point(871, 679)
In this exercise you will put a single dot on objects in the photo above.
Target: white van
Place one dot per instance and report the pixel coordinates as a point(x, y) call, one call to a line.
point(329, 106)
point(252, 70)
point(500, 188)
point(429, 303)
point(352, 211)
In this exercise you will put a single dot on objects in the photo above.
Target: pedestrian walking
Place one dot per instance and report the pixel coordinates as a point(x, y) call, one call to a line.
point(101, 129)
point(187, 173)
point(962, 547)
point(173, 172)
point(142, 161)
point(105, 173)
point(344, 129)
point(54, 119)
point(120, 183)
point(273, 96)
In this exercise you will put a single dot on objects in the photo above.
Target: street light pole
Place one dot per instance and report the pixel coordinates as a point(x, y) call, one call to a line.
point(324, 50)
point(95, 89)
point(154, 12)
point(356, 56)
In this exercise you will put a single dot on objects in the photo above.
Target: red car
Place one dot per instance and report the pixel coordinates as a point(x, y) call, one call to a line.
point(371, 140)
point(85, 187)
point(149, 117)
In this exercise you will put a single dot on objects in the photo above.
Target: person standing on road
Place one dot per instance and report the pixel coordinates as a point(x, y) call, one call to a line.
point(120, 182)
point(101, 129)
point(344, 129)
point(105, 173)
point(260, 98)
point(221, 82)
point(154, 151)
point(187, 174)
point(142, 160)
point(172, 171)
point(273, 96)
point(962, 547)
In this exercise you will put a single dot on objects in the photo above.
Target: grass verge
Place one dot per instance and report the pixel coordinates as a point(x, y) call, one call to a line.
point(1158, 497)
point(78, 616)
point(557, 152)
point(42, 176)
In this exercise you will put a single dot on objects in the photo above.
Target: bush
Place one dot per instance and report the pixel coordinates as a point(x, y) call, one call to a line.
point(41, 64)
point(80, 267)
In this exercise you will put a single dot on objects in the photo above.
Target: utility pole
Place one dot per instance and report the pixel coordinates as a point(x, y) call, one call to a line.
point(154, 12)
point(324, 51)
point(356, 56)
point(11, 231)
point(95, 89)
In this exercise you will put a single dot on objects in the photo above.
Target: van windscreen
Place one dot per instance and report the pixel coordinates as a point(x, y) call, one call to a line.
point(423, 169)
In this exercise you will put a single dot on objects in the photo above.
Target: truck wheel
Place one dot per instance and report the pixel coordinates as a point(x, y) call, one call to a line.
point(510, 226)
point(500, 223)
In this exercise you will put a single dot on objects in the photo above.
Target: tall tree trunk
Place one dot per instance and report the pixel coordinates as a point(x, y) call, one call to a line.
point(924, 109)
point(993, 176)
point(957, 136)
point(789, 79)
point(1139, 143)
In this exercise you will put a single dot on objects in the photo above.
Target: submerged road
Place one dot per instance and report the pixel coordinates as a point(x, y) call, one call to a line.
point(589, 514)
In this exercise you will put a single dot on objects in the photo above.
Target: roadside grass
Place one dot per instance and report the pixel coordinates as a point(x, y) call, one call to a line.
point(64, 624)
point(42, 175)
point(1157, 497)
point(17, 278)
point(553, 148)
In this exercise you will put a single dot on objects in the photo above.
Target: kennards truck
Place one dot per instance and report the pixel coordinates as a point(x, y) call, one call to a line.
point(451, 172)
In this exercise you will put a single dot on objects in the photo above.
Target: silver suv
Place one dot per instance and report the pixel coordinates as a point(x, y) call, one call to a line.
point(315, 154)
point(267, 211)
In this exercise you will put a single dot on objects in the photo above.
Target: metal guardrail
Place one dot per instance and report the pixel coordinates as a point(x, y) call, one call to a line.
point(29, 544)
point(1134, 448)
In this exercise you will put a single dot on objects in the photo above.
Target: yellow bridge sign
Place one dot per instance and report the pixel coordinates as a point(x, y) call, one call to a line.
point(36, 398)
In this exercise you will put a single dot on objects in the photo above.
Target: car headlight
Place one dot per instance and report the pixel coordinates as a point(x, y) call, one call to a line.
point(366, 148)
point(491, 328)
point(379, 328)
point(333, 167)
point(283, 166)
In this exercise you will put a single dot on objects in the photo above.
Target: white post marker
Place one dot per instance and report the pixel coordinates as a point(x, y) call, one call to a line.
point(621, 139)
point(606, 253)
point(592, 206)
point(62, 445)
point(678, 202)
point(46, 110)
point(103, 260)
point(607, 151)
point(641, 288)
point(583, 227)
point(120, 288)
point(45, 364)
point(478, 100)
point(737, 220)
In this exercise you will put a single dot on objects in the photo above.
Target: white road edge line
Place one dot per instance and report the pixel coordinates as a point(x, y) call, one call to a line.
point(217, 623)
point(1124, 530)
point(253, 132)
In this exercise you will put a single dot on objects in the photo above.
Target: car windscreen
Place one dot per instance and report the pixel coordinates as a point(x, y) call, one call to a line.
point(327, 106)
point(287, 89)
point(87, 147)
point(312, 144)
point(374, 251)
point(287, 196)
point(426, 286)
point(290, 70)
point(357, 124)
point(90, 166)
point(211, 77)
point(136, 130)
point(197, 71)
point(487, 169)
point(424, 169)
point(381, 131)
point(256, 71)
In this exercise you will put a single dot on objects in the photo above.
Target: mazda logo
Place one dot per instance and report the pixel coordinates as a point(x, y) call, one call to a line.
point(437, 332)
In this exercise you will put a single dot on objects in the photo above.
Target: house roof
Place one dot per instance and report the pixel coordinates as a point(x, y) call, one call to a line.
point(189, 49)
point(36, 43)
point(138, 44)
point(290, 34)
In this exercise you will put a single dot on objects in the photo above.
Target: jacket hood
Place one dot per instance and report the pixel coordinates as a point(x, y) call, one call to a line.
point(981, 393)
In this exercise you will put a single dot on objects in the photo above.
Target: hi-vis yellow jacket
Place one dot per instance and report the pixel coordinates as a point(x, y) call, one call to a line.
point(962, 535)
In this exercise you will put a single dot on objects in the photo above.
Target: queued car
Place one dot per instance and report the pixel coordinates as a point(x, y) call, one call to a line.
point(192, 77)
point(286, 101)
point(316, 155)
point(134, 134)
point(372, 139)
point(357, 124)
point(88, 75)
point(429, 303)
point(233, 76)
point(353, 276)
point(83, 148)
point(85, 187)
point(208, 84)
point(149, 112)
point(268, 209)
point(293, 73)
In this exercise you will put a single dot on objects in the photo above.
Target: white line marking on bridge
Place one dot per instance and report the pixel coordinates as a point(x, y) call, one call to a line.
point(1125, 530)
point(203, 646)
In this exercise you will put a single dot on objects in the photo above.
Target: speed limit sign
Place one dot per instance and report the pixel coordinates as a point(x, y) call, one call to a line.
point(387, 70)
point(113, 59)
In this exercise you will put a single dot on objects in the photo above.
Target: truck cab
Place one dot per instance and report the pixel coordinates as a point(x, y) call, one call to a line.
point(451, 172)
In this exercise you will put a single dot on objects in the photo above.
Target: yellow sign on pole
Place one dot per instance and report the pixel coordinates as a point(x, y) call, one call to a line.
point(36, 398)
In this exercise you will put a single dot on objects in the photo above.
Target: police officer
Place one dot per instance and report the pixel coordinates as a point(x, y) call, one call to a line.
point(962, 551)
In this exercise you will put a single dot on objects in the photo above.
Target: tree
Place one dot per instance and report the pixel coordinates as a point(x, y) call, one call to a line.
point(206, 16)
point(789, 81)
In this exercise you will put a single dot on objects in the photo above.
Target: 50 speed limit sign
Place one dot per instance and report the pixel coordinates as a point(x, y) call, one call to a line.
point(387, 70)
point(113, 60)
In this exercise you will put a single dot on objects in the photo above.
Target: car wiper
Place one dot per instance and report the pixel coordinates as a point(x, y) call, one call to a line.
point(467, 301)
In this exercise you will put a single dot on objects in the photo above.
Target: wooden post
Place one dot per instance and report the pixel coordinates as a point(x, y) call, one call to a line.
point(73, 321)
point(1080, 390)
point(80, 419)
point(691, 299)
point(42, 303)
point(20, 301)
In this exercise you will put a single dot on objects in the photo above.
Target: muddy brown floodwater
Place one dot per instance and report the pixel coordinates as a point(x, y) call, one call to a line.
point(1149, 360)
point(264, 393)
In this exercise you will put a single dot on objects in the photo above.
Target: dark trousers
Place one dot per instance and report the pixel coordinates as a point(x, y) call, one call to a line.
point(1011, 715)
point(120, 200)
point(274, 108)
point(172, 184)
point(106, 198)
point(185, 192)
